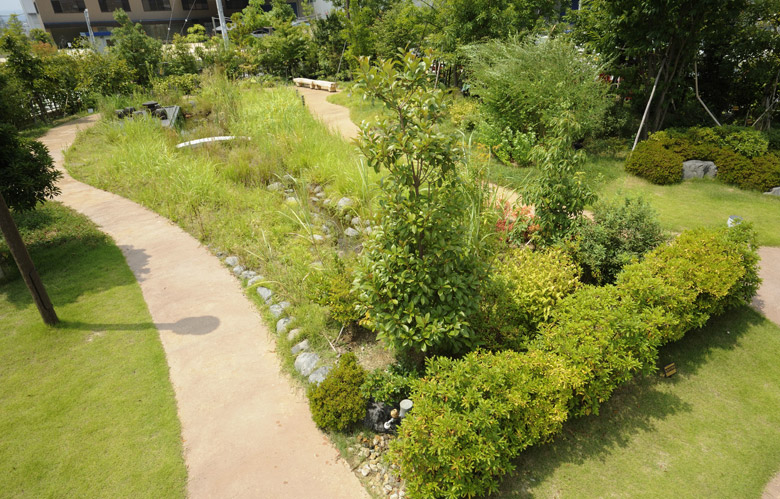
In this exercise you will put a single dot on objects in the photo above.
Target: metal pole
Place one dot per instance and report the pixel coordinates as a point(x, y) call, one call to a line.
point(26, 266)
point(222, 25)
point(89, 28)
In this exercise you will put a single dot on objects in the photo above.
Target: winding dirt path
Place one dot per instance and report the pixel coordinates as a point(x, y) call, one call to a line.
point(246, 431)
point(767, 301)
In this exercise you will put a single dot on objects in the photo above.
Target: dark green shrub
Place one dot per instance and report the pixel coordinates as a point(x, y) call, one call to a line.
point(773, 137)
point(27, 173)
point(621, 231)
point(605, 338)
point(652, 161)
point(525, 287)
point(760, 174)
point(698, 275)
point(337, 403)
point(472, 416)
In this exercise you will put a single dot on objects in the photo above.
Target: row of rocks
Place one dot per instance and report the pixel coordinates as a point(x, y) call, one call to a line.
point(306, 362)
point(695, 168)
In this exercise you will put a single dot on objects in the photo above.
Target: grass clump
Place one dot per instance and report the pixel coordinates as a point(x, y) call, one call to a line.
point(88, 409)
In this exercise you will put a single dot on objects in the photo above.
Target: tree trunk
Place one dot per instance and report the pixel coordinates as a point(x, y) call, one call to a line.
point(25, 264)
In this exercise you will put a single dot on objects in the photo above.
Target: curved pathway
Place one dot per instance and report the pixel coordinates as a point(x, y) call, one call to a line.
point(766, 301)
point(246, 431)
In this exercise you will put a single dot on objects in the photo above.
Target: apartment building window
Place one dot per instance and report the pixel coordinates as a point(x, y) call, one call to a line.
point(195, 4)
point(237, 4)
point(112, 5)
point(156, 5)
point(68, 6)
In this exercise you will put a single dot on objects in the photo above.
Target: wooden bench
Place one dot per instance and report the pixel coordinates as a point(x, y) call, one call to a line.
point(330, 86)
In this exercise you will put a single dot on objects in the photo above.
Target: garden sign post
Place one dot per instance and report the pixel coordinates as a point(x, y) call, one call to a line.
point(25, 264)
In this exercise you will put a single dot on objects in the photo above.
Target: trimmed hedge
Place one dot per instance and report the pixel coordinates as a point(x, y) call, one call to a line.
point(652, 161)
point(474, 415)
point(525, 287)
point(743, 156)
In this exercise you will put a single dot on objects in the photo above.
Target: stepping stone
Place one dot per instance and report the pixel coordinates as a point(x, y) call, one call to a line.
point(306, 362)
point(231, 261)
point(281, 325)
point(265, 293)
point(300, 347)
point(319, 375)
point(255, 280)
point(279, 308)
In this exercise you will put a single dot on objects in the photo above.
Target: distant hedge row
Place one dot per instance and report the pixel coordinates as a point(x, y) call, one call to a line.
point(472, 416)
point(745, 157)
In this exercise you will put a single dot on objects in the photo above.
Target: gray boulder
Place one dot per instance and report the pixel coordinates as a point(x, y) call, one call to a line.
point(254, 280)
point(356, 222)
point(265, 293)
point(231, 261)
point(300, 347)
point(293, 334)
point(775, 191)
point(350, 232)
point(282, 324)
point(319, 375)
point(238, 269)
point(276, 186)
point(699, 169)
point(279, 308)
point(376, 416)
point(248, 274)
point(306, 362)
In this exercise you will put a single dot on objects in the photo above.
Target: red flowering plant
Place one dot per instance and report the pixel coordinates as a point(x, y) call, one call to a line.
point(515, 223)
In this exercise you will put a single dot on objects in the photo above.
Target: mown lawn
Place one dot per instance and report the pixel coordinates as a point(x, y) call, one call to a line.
point(86, 407)
point(712, 430)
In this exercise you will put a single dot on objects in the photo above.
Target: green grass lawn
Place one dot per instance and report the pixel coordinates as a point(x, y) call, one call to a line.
point(359, 109)
point(690, 204)
point(87, 408)
point(712, 430)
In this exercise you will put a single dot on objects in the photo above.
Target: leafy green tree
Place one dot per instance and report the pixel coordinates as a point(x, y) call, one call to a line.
point(559, 193)
point(420, 277)
point(652, 37)
point(131, 43)
point(196, 34)
point(27, 173)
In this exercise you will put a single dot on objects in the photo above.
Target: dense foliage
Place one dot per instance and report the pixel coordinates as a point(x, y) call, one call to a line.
point(526, 83)
point(27, 173)
point(337, 403)
point(473, 415)
point(420, 272)
point(620, 232)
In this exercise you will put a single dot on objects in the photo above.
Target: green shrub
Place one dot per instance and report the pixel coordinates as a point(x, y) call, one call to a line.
point(525, 83)
point(605, 338)
point(736, 169)
point(526, 285)
point(27, 173)
point(621, 231)
point(698, 275)
point(337, 403)
point(334, 290)
point(746, 141)
point(389, 385)
point(652, 161)
point(465, 113)
point(509, 146)
point(420, 272)
point(472, 416)
point(773, 138)
point(175, 85)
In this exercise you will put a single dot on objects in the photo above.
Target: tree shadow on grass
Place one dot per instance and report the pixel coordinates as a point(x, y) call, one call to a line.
point(633, 408)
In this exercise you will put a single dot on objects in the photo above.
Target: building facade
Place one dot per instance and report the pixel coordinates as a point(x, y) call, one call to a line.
point(65, 20)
